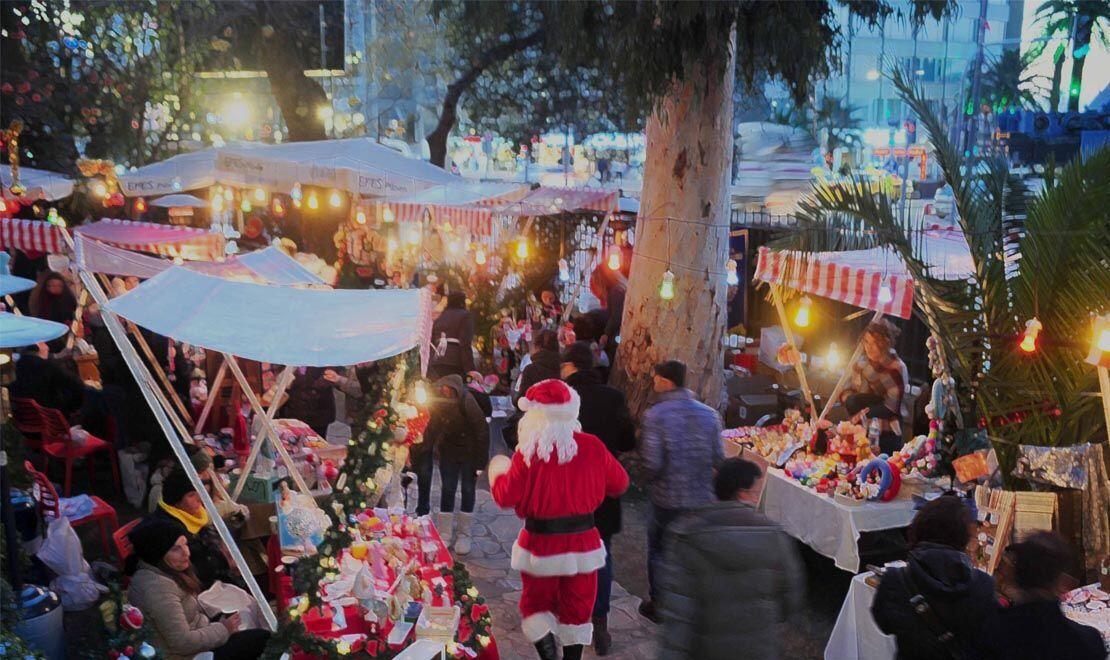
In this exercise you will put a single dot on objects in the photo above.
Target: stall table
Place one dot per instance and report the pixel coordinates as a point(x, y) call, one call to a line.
point(855, 635)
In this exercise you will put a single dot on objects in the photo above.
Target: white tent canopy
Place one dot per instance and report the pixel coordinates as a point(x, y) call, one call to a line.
point(282, 325)
point(39, 184)
point(18, 331)
point(360, 166)
point(189, 171)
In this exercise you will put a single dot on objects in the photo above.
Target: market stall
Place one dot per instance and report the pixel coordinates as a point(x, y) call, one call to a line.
point(34, 185)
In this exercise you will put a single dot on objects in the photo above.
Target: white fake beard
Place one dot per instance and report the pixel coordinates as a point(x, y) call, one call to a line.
point(538, 434)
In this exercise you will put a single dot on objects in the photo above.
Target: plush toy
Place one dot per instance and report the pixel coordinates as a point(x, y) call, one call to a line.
point(880, 479)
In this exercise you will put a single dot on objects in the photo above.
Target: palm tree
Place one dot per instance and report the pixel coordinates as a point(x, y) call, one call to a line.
point(1007, 83)
point(1056, 272)
point(1078, 21)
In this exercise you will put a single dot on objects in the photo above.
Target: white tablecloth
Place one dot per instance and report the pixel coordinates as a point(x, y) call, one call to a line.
point(855, 635)
point(825, 525)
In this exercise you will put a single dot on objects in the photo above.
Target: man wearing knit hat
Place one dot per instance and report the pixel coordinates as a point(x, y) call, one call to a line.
point(556, 479)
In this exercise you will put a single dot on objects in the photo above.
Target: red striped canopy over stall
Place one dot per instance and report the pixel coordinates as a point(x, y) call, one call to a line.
point(31, 236)
point(855, 277)
point(167, 240)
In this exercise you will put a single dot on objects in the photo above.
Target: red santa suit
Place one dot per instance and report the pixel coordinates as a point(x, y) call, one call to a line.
point(557, 478)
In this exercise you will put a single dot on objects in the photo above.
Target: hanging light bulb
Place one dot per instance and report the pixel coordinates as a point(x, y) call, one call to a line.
point(522, 249)
point(52, 216)
point(1104, 340)
point(259, 195)
point(420, 393)
point(99, 189)
point(217, 204)
point(832, 359)
point(666, 289)
point(140, 205)
point(387, 214)
point(1029, 338)
point(564, 271)
point(313, 202)
point(391, 244)
point(480, 256)
point(885, 294)
point(731, 278)
point(177, 261)
point(801, 318)
point(360, 217)
point(615, 258)
point(227, 194)
point(296, 193)
point(453, 246)
point(335, 199)
point(278, 208)
point(245, 206)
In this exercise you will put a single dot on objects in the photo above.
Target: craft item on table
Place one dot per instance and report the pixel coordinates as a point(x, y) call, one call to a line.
point(1034, 512)
point(1065, 467)
point(880, 480)
point(787, 355)
point(995, 518)
point(850, 442)
point(438, 624)
point(971, 467)
point(301, 524)
point(919, 456)
point(1090, 606)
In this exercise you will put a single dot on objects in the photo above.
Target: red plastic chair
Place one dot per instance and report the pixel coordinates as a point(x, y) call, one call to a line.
point(27, 417)
point(122, 543)
point(49, 505)
point(57, 443)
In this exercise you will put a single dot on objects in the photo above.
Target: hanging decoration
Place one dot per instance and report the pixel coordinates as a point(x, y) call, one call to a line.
point(108, 188)
point(564, 271)
point(259, 195)
point(10, 137)
point(885, 293)
point(1033, 329)
point(731, 278)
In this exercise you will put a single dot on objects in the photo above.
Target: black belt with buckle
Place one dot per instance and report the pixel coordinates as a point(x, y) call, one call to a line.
point(567, 525)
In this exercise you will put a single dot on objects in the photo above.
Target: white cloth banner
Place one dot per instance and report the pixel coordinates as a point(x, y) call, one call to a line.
point(855, 635)
point(824, 524)
point(282, 325)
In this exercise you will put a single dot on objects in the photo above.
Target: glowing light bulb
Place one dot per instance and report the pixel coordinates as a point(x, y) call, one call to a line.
point(391, 245)
point(296, 193)
point(387, 215)
point(335, 199)
point(731, 278)
point(1104, 340)
point(227, 194)
point(140, 205)
point(177, 261)
point(666, 289)
point(522, 249)
point(217, 204)
point(5, 358)
point(245, 206)
point(480, 256)
point(313, 201)
point(453, 246)
point(259, 195)
point(99, 189)
point(420, 393)
point(360, 217)
point(885, 294)
point(413, 236)
point(52, 216)
point(1029, 338)
point(615, 259)
point(832, 359)
point(278, 207)
point(564, 271)
point(801, 318)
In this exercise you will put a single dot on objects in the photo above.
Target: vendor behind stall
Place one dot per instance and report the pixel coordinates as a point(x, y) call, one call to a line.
point(877, 383)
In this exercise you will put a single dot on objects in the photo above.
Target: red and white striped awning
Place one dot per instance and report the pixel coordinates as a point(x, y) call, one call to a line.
point(478, 220)
point(855, 277)
point(31, 236)
point(547, 200)
point(167, 240)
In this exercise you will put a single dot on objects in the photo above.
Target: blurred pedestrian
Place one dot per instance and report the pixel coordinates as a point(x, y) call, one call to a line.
point(452, 338)
point(937, 604)
point(681, 445)
point(1034, 627)
point(53, 300)
point(731, 576)
point(603, 412)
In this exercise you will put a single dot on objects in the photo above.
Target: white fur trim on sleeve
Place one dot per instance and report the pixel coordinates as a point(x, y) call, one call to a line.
point(570, 563)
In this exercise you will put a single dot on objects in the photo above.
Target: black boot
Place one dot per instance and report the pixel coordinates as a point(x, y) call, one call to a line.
point(572, 652)
point(548, 648)
point(602, 638)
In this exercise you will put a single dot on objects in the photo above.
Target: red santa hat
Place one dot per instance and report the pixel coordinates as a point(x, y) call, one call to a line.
point(549, 421)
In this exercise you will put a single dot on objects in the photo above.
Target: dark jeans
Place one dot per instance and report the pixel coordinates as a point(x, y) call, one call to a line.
point(450, 473)
point(243, 645)
point(604, 581)
point(661, 518)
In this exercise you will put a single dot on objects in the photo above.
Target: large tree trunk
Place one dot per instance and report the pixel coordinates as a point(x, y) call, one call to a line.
point(686, 178)
point(1054, 92)
point(300, 98)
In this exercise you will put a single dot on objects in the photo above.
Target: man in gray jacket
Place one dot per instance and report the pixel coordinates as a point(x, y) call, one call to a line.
point(680, 445)
point(730, 578)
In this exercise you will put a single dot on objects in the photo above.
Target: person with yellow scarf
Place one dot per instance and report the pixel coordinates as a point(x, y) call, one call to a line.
point(180, 505)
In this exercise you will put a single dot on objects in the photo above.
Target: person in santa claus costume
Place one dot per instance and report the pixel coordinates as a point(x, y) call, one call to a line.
point(556, 479)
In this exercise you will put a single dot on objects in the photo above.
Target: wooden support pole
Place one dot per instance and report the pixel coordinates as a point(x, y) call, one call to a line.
point(268, 425)
point(1104, 386)
point(283, 382)
point(789, 334)
point(217, 383)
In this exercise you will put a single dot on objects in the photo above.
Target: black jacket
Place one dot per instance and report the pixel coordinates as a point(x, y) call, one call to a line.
point(961, 596)
point(456, 426)
point(544, 365)
point(604, 413)
point(458, 358)
point(1039, 631)
point(311, 400)
point(47, 383)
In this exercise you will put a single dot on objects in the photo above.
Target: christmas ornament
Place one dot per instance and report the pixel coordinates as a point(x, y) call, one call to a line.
point(1029, 337)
